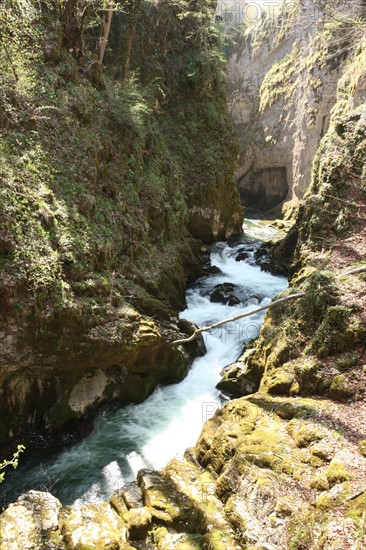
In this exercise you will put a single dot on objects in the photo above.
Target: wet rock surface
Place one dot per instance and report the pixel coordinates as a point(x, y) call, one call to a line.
point(224, 294)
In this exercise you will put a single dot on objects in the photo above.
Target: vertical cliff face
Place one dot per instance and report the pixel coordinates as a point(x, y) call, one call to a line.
point(283, 74)
point(107, 182)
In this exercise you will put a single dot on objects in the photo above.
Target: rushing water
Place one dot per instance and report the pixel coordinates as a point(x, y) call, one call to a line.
point(126, 439)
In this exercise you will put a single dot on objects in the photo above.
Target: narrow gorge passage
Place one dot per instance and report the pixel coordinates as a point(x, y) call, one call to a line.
point(124, 440)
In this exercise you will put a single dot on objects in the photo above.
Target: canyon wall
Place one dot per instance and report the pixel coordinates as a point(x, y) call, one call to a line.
point(282, 466)
point(283, 73)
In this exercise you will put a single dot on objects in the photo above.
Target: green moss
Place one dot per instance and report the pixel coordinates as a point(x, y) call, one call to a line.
point(357, 507)
point(337, 473)
point(320, 483)
point(235, 519)
point(332, 498)
point(309, 375)
point(138, 523)
point(338, 331)
point(320, 291)
point(279, 82)
point(216, 540)
point(109, 184)
point(287, 411)
point(347, 362)
point(316, 461)
point(322, 451)
point(285, 507)
point(302, 530)
point(279, 383)
point(339, 388)
point(306, 435)
point(303, 433)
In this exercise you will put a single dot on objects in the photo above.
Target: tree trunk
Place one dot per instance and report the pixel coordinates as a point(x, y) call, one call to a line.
point(130, 36)
point(106, 28)
point(72, 35)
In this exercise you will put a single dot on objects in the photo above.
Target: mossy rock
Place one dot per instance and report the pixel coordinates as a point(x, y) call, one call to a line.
point(262, 447)
point(315, 461)
point(357, 506)
point(220, 435)
point(31, 522)
point(138, 523)
point(217, 540)
point(165, 540)
point(166, 504)
point(337, 472)
point(338, 332)
point(323, 452)
point(238, 380)
point(306, 435)
point(288, 410)
point(332, 498)
point(279, 382)
point(93, 526)
point(309, 376)
point(235, 518)
point(320, 291)
point(339, 387)
point(347, 362)
point(118, 503)
point(320, 483)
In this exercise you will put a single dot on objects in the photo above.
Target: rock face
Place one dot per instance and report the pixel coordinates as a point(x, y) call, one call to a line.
point(208, 222)
point(263, 189)
point(282, 86)
point(123, 360)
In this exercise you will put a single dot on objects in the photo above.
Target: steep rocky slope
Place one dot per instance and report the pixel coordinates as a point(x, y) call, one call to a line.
point(106, 183)
point(283, 74)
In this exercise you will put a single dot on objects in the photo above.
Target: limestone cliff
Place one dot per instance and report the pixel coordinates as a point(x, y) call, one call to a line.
point(283, 74)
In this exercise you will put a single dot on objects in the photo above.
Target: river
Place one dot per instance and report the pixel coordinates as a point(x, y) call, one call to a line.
point(126, 439)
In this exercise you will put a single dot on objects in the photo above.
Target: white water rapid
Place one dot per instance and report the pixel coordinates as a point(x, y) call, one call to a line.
point(127, 439)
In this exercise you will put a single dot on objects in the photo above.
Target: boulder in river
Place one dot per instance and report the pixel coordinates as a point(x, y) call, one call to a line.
point(239, 380)
point(242, 256)
point(224, 293)
point(211, 270)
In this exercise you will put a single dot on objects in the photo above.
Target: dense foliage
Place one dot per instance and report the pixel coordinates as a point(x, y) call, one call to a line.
point(98, 179)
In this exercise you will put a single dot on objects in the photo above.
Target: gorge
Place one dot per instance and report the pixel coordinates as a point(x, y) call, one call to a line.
point(146, 436)
point(115, 182)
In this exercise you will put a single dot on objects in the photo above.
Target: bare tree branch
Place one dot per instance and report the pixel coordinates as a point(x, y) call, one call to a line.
point(237, 317)
point(199, 331)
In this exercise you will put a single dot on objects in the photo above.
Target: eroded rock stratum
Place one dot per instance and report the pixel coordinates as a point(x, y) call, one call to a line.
point(283, 75)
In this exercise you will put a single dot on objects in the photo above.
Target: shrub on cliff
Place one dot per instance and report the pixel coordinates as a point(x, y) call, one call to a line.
point(12, 462)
